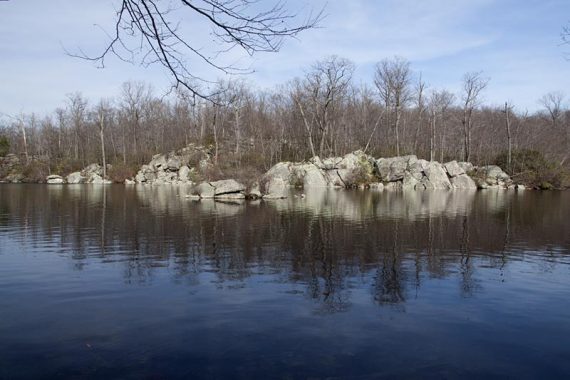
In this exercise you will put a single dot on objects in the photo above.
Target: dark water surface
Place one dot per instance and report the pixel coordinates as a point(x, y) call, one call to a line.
point(139, 282)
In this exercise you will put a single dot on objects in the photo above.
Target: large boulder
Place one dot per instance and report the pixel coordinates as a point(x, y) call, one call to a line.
point(276, 188)
point(393, 168)
point(417, 168)
point(92, 169)
point(276, 182)
point(466, 166)
point(158, 162)
point(140, 177)
point(463, 181)
point(54, 179)
point(227, 186)
point(184, 174)
point(491, 175)
point(173, 164)
point(98, 180)
point(410, 182)
point(354, 169)
point(311, 175)
point(436, 177)
point(75, 178)
point(204, 190)
point(453, 169)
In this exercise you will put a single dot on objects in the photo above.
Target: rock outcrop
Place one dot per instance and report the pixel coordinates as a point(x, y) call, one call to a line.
point(224, 189)
point(491, 176)
point(175, 167)
point(394, 173)
point(54, 180)
point(93, 173)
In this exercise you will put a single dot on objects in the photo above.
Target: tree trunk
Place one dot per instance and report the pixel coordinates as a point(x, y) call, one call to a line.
point(432, 137)
point(307, 128)
point(396, 127)
point(102, 137)
point(24, 138)
point(509, 144)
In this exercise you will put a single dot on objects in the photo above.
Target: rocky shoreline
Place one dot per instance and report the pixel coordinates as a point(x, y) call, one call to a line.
point(354, 170)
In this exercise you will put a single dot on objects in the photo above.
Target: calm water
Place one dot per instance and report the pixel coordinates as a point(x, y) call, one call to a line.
point(139, 282)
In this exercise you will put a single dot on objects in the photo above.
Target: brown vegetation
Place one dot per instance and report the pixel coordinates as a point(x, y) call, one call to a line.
point(323, 113)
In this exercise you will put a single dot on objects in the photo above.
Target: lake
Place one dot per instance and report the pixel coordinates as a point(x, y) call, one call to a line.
point(139, 282)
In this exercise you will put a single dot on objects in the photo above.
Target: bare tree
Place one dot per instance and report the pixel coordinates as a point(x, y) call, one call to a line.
point(22, 126)
point(148, 29)
point(439, 103)
point(102, 111)
point(552, 103)
point(473, 84)
point(420, 107)
point(507, 111)
point(323, 89)
point(77, 107)
point(392, 79)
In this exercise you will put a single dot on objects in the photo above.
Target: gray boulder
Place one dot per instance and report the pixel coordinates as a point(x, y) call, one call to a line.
point(463, 181)
point(436, 177)
point(276, 188)
point(173, 164)
point(204, 190)
point(276, 182)
point(75, 178)
point(353, 169)
point(54, 179)
point(453, 169)
point(492, 175)
point(312, 176)
point(98, 180)
point(227, 186)
point(140, 177)
point(92, 169)
point(158, 161)
point(184, 173)
point(410, 182)
point(466, 166)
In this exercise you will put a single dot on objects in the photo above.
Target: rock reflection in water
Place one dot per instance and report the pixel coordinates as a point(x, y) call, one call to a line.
point(323, 245)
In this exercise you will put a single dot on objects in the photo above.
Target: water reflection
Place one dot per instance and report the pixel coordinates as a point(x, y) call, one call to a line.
point(324, 245)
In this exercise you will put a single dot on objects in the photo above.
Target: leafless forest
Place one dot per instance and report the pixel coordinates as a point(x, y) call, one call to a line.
point(324, 113)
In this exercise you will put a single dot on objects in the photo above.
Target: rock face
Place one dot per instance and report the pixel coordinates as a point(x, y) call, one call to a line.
point(204, 190)
point(75, 178)
point(54, 180)
point(453, 169)
point(463, 181)
point(276, 182)
point(175, 167)
point(491, 176)
point(436, 177)
point(227, 186)
point(224, 189)
point(394, 173)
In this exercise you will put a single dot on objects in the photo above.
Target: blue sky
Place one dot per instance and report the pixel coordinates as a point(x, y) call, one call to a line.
point(514, 42)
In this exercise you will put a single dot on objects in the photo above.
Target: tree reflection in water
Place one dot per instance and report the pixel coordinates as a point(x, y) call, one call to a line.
point(325, 243)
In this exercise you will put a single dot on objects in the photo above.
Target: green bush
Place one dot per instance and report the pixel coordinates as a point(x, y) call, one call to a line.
point(4, 146)
point(532, 169)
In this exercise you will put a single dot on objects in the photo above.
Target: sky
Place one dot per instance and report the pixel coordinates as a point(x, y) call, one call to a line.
point(515, 43)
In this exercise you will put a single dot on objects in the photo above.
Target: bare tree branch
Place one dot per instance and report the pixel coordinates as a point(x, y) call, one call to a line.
point(234, 23)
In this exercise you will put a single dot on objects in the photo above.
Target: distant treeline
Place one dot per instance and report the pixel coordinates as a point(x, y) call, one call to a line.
point(322, 113)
